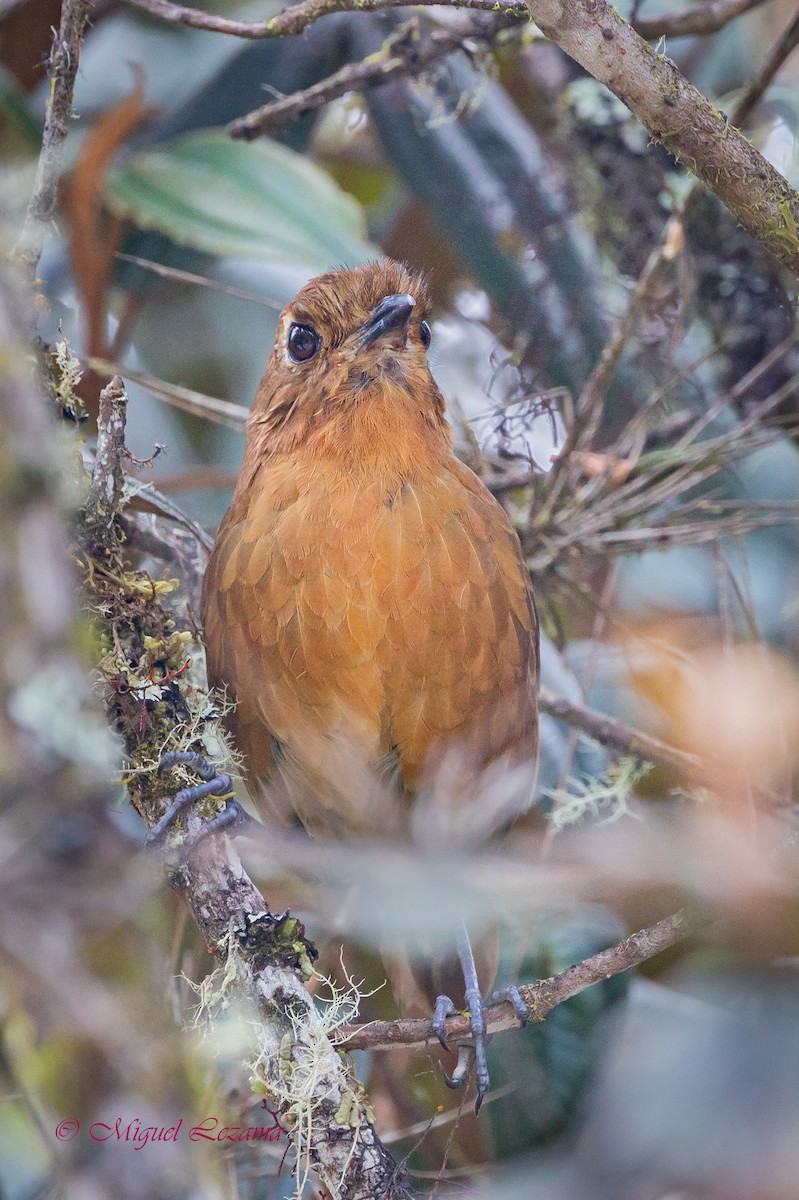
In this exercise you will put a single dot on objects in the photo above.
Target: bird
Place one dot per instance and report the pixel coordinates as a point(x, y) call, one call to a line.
point(366, 607)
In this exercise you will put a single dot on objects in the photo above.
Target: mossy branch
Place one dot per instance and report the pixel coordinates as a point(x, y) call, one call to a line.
point(155, 704)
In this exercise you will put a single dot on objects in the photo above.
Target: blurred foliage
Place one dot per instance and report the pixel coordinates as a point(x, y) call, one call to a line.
point(548, 1068)
point(224, 197)
point(534, 201)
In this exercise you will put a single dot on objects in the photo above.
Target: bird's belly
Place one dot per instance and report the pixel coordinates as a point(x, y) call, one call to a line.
point(370, 626)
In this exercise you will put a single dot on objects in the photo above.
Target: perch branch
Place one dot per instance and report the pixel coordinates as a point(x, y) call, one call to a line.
point(267, 957)
point(406, 52)
point(64, 60)
point(541, 997)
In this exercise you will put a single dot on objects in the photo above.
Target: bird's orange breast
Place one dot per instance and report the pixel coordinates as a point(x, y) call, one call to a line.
point(363, 620)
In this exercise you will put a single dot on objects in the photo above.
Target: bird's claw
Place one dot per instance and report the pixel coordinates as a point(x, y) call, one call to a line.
point(462, 1069)
point(217, 785)
point(473, 1051)
point(444, 1008)
point(474, 1002)
point(511, 995)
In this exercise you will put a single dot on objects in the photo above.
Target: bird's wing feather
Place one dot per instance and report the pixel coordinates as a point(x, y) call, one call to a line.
point(467, 633)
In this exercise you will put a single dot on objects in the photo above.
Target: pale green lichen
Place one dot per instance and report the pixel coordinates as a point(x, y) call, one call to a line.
point(603, 799)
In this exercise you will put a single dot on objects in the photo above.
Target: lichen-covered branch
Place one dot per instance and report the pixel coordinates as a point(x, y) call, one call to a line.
point(64, 62)
point(677, 115)
point(155, 706)
point(541, 997)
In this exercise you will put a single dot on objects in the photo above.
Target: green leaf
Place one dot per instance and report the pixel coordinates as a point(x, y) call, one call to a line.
point(258, 200)
point(15, 111)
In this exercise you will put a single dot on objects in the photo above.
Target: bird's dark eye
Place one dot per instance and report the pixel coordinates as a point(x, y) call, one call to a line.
point(425, 334)
point(303, 342)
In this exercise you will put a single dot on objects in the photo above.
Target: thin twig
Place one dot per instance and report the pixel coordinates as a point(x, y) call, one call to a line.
point(600, 379)
point(406, 52)
point(64, 60)
point(616, 736)
point(586, 681)
point(296, 18)
point(540, 998)
point(701, 20)
point(206, 477)
point(221, 412)
point(642, 512)
point(177, 276)
point(785, 45)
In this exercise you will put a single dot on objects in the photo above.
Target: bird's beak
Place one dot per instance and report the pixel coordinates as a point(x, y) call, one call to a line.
point(392, 313)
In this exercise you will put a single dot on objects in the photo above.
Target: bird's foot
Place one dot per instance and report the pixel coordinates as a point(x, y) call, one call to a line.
point(217, 785)
point(512, 995)
point(444, 1008)
point(473, 1051)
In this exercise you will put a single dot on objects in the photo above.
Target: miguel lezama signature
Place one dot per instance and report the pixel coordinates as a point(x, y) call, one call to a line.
point(138, 1135)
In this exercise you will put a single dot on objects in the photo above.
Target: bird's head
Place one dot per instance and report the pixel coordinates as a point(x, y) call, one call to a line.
point(348, 338)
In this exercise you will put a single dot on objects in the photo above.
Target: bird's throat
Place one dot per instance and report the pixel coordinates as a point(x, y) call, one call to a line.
point(383, 429)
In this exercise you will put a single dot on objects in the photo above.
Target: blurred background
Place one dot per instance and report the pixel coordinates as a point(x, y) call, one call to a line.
point(657, 507)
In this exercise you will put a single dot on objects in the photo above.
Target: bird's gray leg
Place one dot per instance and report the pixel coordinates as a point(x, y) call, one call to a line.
point(474, 1003)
